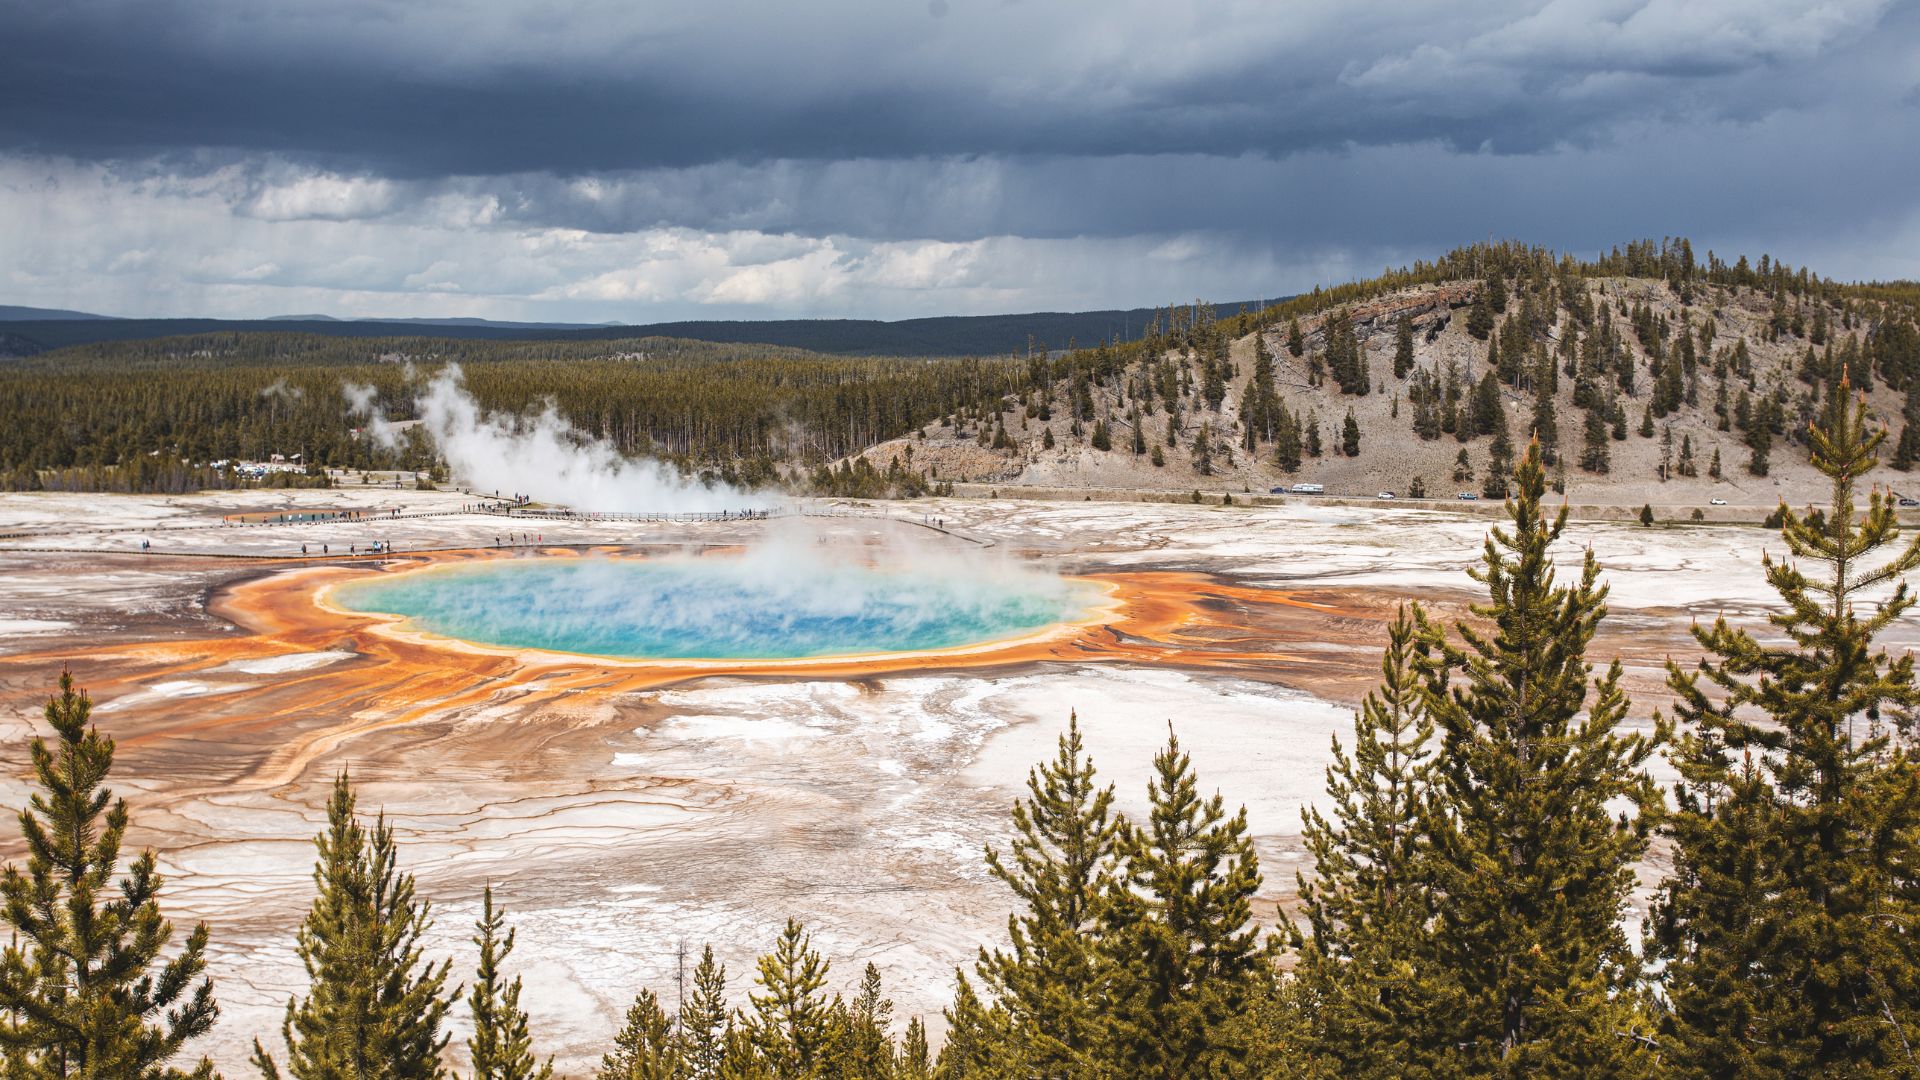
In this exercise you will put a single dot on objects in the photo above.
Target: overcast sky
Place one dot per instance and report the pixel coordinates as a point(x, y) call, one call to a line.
point(601, 160)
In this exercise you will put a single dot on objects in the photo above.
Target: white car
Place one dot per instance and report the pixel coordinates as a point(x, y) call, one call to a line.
point(1384, 495)
point(1716, 502)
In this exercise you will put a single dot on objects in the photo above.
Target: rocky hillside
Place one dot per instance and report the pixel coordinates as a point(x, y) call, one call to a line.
point(1636, 385)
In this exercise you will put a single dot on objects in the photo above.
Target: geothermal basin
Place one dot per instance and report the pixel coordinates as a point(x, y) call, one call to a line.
point(730, 732)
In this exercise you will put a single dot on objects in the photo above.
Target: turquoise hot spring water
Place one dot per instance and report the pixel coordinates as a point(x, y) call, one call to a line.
point(719, 608)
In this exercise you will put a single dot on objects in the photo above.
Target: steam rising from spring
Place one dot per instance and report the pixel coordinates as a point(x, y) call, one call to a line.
point(543, 456)
point(792, 592)
point(791, 595)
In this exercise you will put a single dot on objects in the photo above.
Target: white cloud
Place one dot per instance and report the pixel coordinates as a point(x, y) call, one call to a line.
point(75, 225)
point(323, 197)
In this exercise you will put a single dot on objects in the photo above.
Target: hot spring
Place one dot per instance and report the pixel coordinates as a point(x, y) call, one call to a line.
point(719, 608)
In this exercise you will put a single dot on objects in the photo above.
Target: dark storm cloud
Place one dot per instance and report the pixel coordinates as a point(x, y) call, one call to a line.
point(570, 89)
point(601, 159)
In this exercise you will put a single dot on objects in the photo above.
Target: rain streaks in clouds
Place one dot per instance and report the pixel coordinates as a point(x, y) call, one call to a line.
point(588, 161)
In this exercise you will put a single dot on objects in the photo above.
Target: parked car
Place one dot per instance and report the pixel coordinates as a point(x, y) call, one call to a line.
point(1717, 502)
point(1281, 490)
point(1467, 495)
point(1384, 495)
point(1904, 501)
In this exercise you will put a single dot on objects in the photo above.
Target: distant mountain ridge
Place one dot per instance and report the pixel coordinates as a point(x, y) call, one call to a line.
point(16, 313)
point(944, 335)
point(427, 321)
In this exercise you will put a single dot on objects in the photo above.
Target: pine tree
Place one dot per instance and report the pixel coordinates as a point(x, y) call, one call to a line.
point(1488, 416)
point(1480, 315)
point(1546, 426)
point(1403, 347)
point(1906, 451)
point(1102, 437)
point(1669, 389)
point(1261, 399)
point(1499, 468)
point(859, 1044)
point(1062, 861)
point(1508, 354)
point(1370, 901)
point(789, 1021)
point(1786, 928)
point(1185, 960)
point(1347, 358)
point(1286, 449)
point(1761, 440)
point(915, 1062)
point(1594, 453)
point(1426, 414)
point(742, 1059)
point(1213, 381)
point(83, 989)
point(373, 1002)
point(978, 1037)
point(1530, 961)
point(703, 1020)
point(500, 1048)
point(643, 1049)
point(1350, 436)
point(1296, 341)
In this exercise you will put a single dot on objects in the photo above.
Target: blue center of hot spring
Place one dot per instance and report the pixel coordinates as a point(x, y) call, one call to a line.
point(716, 608)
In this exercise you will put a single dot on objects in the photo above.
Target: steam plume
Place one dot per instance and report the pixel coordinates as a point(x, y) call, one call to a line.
point(543, 456)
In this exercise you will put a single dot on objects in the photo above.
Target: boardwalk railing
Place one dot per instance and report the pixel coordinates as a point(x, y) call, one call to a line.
point(300, 520)
point(607, 515)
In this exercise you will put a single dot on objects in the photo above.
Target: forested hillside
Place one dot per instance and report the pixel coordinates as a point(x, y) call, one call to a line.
point(1645, 369)
point(1645, 374)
